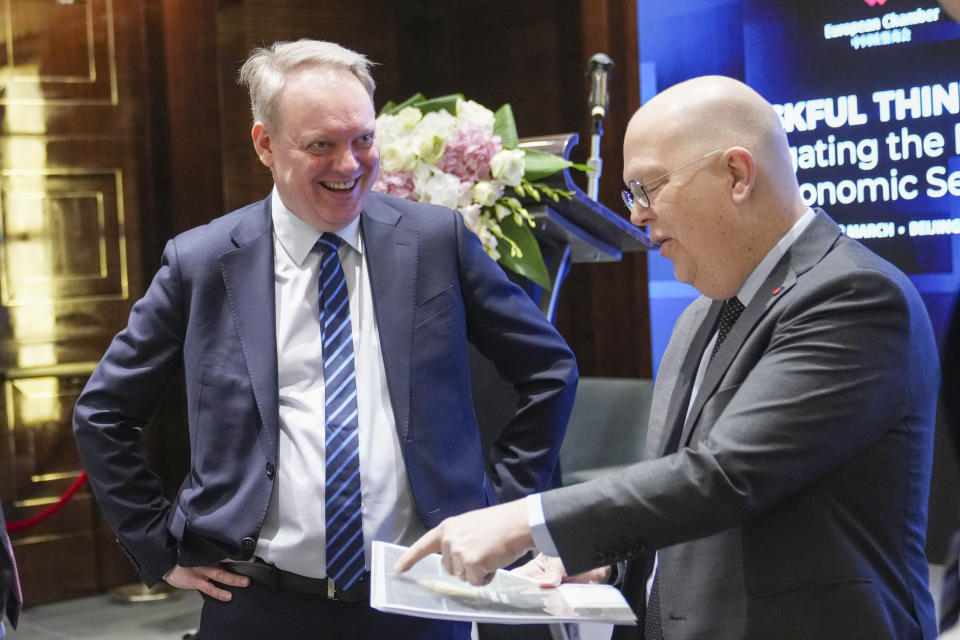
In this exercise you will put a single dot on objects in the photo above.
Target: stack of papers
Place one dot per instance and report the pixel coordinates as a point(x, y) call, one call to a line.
point(428, 591)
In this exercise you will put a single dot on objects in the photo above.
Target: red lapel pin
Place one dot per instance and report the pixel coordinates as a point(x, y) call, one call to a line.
point(777, 290)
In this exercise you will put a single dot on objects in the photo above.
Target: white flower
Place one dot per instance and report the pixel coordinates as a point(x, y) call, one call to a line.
point(508, 165)
point(428, 148)
point(440, 123)
point(501, 211)
point(485, 193)
point(471, 216)
point(430, 135)
point(438, 187)
point(397, 155)
point(389, 128)
point(474, 114)
point(489, 242)
point(409, 117)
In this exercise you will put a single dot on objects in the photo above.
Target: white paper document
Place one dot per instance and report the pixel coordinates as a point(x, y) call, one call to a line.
point(427, 591)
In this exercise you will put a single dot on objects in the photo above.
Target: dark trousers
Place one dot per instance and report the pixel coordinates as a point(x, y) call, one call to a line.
point(259, 613)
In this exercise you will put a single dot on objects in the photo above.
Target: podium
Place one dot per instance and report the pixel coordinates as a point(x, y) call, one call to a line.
point(575, 230)
point(578, 230)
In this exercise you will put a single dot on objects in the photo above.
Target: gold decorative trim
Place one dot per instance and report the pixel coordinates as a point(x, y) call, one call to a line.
point(50, 477)
point(109, 181)
point(50, 537)
point(35, 502)
point(60, 370)
point(92, 77)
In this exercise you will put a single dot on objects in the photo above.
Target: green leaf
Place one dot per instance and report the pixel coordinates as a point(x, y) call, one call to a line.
point(448, 102)
point(539, 164)
point(388, 109)
point(531, 265)
point(505, 127)
point(395, 108)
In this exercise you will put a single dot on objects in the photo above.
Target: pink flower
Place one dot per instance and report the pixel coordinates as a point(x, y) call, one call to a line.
point(399, 183)
point(468, 153)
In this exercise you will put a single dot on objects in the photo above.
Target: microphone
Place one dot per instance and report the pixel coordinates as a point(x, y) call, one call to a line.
point(599, 68)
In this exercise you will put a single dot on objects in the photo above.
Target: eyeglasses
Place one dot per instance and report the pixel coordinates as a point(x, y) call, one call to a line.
point(636, 192)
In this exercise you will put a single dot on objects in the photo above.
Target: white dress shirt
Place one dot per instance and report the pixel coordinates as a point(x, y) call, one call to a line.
point(293, 534)
point(535, 516)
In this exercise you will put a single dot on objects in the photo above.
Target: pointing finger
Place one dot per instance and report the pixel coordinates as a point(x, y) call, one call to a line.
point(427, 544)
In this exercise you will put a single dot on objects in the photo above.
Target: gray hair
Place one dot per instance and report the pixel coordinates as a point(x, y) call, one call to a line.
point(265, 70)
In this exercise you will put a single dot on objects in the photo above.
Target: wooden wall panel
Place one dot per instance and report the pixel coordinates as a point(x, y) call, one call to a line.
point(525, 53)
point(74, 181)
point(186, 115)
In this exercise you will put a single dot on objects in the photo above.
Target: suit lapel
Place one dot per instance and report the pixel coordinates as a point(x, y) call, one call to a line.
point(680, 398)
point(780, 280)
point(392, 255)
point(808, 249)
point(248, 276)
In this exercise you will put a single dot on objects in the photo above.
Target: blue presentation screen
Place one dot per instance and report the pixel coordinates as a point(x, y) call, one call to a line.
point(869, 94)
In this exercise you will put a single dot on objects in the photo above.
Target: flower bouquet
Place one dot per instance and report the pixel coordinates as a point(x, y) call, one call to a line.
point(457, 153)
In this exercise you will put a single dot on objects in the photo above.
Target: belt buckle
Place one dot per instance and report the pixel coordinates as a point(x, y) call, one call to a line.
point(331, 589)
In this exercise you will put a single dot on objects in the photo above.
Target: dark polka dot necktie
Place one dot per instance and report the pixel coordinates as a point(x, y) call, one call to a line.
point(732, 309)
point(653, 622)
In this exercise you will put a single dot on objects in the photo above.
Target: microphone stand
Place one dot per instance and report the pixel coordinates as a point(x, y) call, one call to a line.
point(595, 162)
point(600, 65)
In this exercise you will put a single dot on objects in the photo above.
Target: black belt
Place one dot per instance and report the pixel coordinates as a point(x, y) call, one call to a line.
point(278, 579)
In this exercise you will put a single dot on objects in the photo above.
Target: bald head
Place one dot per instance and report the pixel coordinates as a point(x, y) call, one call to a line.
point(715, 112)
point(714, 160)
point(720, 107)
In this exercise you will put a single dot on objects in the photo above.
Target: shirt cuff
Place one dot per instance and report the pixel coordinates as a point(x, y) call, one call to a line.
point(538, 526)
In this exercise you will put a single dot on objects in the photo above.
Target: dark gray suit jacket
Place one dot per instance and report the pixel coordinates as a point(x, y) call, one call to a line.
point(210, 309)
point(796, 506)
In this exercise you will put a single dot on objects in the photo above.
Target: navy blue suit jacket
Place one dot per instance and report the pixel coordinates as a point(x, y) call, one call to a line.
point(210, 309)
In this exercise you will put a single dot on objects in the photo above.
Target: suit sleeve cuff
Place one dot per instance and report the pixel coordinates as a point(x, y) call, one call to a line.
point(538, 526)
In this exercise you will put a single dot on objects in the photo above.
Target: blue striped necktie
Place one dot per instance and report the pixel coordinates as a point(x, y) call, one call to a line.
point(345, 564)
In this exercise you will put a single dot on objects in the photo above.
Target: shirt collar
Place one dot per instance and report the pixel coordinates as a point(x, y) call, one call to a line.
point(765, 268)
point(297, 237)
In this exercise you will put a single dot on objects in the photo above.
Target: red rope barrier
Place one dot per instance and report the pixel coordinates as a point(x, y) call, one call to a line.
point(50, 509)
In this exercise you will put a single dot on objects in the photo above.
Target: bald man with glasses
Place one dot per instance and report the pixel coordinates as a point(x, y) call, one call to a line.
point(791, 426)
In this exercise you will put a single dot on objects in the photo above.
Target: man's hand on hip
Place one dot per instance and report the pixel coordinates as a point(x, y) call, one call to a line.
point(201, 579)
